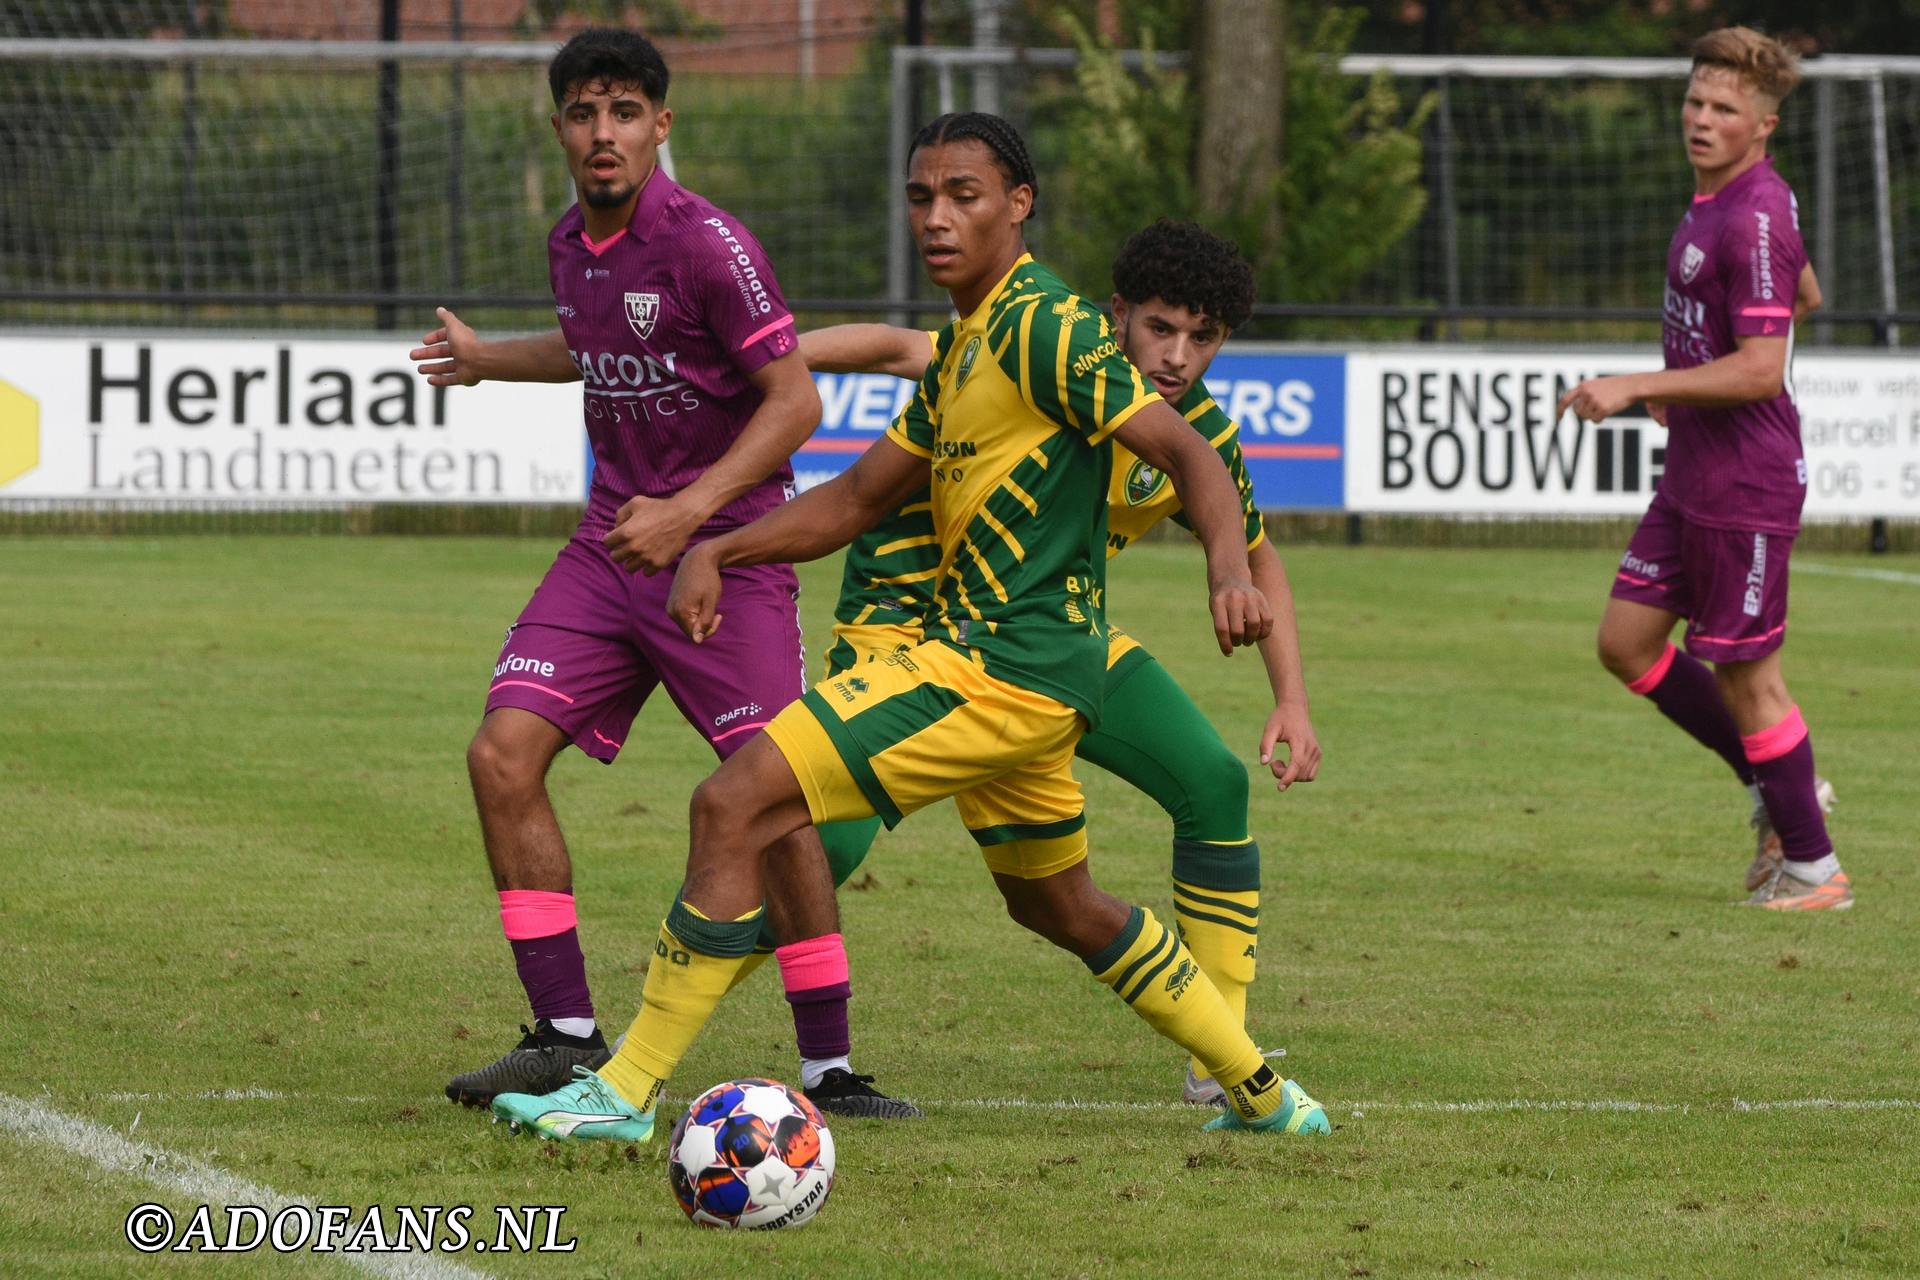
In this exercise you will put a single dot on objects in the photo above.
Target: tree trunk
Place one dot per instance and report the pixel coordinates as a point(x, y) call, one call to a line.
point(1240, 65)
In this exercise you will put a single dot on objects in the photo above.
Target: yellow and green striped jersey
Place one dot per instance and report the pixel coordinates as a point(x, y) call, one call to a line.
point(1010, 414)
point(889, 571)
point(1141, 495)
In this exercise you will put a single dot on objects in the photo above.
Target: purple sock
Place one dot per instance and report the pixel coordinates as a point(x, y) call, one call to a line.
point(554, 972)
point(1783, 766)
point(814, 973)
point(1687, 694)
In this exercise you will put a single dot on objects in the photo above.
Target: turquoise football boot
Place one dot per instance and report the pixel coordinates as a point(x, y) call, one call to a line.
point(1297, 1114)
point(585, 1109)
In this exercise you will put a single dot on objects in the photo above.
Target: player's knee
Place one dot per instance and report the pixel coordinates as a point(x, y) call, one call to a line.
point(496, 770)
point(1215, 785)
point(718, 815)
point(1625, 660)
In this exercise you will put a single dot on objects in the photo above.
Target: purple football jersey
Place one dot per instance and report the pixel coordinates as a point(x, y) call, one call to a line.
point(1733, 270)
point(667, 318)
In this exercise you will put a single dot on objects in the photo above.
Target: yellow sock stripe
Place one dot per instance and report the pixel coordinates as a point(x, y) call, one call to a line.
point(1216, 910)
point(1161, 956)
point(1146, 949)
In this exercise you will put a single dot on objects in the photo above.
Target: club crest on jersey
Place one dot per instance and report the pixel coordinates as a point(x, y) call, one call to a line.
point(967, 358)
point(1690, 263)
point(642, 310)
point(1143, 481)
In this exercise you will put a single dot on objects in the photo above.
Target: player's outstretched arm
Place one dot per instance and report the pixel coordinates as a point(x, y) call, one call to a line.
point(1755, 370)
point(1162, 438)
point(648, 533)
point(867, 348)
point(1280, 652)
point(817, 523)
point(455, 356)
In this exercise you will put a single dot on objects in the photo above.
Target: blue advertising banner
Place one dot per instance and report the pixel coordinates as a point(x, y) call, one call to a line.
point(1291, 409)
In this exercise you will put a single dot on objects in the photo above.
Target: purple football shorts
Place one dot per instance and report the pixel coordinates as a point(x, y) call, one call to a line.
point(1730, 585)
point(594, 641)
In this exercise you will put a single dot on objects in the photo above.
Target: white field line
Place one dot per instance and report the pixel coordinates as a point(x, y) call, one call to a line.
point(197, 1182)
point(1360, 1109)
point(1878, 575)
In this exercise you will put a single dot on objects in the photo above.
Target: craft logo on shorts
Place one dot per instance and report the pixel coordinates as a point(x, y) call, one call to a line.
point(1690, 263)
point(1143, 481)
point(1756, 577)
point(642, 310)
point(967, 358)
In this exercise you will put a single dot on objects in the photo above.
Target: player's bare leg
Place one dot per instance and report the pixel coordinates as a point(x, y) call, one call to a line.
point(1634, 646)
point(1151, 969)
point(1780, 752)
point(507, 763)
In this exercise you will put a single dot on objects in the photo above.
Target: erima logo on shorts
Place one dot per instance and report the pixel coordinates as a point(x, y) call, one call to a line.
point(513, 662)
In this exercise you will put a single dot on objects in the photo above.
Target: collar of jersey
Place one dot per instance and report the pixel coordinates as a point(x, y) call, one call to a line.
point(1766, 163)
point(986, 304)
point(654, 194)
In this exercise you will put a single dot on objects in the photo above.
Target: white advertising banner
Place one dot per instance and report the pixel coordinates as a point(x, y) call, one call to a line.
point(273, 421)
point(1474, 433)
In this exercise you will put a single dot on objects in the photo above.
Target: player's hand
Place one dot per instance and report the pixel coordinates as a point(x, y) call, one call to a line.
point(1599, 398)
point(1241, 615)
point(446, 356)
point(1657, 411)
point(694, 602)
point(1289, 724)
point(648, 533)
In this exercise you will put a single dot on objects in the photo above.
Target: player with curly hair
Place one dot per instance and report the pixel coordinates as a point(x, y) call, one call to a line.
point(1178, 291)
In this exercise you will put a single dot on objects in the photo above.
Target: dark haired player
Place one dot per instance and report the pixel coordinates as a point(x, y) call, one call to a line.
point(695, 397)
point(989, 706)
point(1178, 291)
point(1713, 546)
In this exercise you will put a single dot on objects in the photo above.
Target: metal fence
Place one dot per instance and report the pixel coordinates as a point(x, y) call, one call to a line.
point(307, 185)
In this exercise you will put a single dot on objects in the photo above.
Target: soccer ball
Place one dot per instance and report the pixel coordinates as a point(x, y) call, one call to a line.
point(751, 1153)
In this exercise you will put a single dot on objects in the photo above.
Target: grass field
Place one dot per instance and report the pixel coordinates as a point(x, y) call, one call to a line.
point(245, 926)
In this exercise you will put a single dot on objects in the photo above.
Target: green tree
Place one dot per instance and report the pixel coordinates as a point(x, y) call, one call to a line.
point(1347, 192)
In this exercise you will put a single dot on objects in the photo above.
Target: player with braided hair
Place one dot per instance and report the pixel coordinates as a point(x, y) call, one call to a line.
point(1006, 438)
point(1178, 291)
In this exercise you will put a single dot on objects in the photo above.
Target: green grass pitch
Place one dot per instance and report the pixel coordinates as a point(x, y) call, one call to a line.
point(245, 919)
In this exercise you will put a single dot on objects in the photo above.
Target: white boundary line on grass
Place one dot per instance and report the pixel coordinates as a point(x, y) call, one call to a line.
point(201, 1183)
point(1359, 1109)
point(1878, 575)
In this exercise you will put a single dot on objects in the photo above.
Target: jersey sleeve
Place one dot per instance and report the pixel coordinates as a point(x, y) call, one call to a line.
point(1060, 353)
point(1761, 255)
point(914, 429)
point(1223, 433)
point(739, 295)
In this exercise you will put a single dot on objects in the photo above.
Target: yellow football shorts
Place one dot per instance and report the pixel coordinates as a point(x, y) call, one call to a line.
point(898, 733)
point(855, 643)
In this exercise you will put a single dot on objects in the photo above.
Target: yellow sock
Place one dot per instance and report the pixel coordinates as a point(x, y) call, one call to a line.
point(750, 966)
point(695, 961)
point(1221, 928)
point(1147, 966)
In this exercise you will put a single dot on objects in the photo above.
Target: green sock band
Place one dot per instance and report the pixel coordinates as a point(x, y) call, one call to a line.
point(1229, 868)
point(1109, 955)
point(726, 939)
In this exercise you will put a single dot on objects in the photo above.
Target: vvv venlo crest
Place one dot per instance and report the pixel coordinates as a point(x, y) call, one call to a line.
point(642, 310)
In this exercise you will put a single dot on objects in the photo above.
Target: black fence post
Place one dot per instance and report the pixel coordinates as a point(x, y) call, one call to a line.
point(387, 180)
